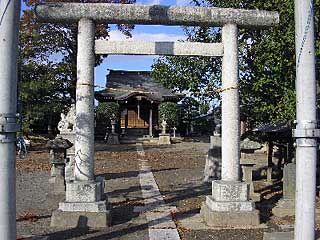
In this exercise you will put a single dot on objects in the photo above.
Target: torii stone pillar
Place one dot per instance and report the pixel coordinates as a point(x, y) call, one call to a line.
point(229, 203)
point(84, 142)
point(84, 196)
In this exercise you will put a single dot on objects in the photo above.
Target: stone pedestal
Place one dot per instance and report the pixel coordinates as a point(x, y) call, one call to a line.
point(285, 206)
point(247, 171)
point(229, 206)
point(57, 179)
point(85, 206)
point(113, 139)
point(164, 138)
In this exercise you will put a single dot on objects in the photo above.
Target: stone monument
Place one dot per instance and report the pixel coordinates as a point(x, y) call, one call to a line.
point(164, 138)
point(212, 170)
point(286, 206)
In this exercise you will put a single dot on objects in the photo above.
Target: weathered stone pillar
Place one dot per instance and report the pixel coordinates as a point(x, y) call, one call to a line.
point(84, 142)
point(85, 205)
point(230, 105)
point(150, 123)
point(229, 203)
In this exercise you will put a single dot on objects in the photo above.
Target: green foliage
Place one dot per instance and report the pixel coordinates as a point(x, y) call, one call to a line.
point(47, 66)
point(41, 95)
point(189, 108)
point(267, 63)
point(204, 108)
point(168, 111)
point(107, 111)
point(198, 75)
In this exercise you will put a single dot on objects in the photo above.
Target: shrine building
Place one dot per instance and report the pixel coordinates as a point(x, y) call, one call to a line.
point(139, 97)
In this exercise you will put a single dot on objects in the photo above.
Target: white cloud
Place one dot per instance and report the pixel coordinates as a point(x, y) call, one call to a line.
point(160, 37)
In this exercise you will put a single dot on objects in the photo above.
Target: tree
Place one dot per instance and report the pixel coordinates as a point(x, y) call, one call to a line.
point(107, 111)
point(48, 60)
point(168, 111)
point(267, 62)
point(58, 42)
point(198, 76)
point(42, 95)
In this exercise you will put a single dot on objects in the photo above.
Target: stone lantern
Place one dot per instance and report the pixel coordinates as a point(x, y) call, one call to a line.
point(113, 137)
point(58, 152)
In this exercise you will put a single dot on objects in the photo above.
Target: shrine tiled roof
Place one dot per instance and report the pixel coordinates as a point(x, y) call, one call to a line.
point(274, 127)
point(122, 85)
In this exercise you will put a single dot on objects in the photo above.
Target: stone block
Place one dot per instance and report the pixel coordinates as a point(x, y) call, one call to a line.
point(229, 219)
point(229, 206)
point(278, 236)
point(113, 139)
point(247, 173)
point(164, 139)
point(281, 236)
point(83, 206)
point(69, 171)
point(289, 181)
point(83, 191)
point(283, 212)
point(63, 219)
point(284, 207)
point(223, 191)
point(57, 170)
point(59, 185)
point(215, 141)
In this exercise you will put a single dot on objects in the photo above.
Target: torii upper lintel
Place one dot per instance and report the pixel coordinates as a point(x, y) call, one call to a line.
point(155, 15)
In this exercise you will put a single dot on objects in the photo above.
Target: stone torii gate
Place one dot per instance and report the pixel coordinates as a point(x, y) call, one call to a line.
point(229, 203)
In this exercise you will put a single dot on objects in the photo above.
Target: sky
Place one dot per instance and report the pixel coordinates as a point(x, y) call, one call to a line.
point(140, 33)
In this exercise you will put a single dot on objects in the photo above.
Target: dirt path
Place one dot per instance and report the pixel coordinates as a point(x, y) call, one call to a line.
point(177, 170)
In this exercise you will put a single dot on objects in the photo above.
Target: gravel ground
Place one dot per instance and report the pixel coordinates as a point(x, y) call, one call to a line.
point(177, 169)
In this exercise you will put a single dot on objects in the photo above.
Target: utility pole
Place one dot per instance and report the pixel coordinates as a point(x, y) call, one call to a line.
point(9, 20)
point(306, 132)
